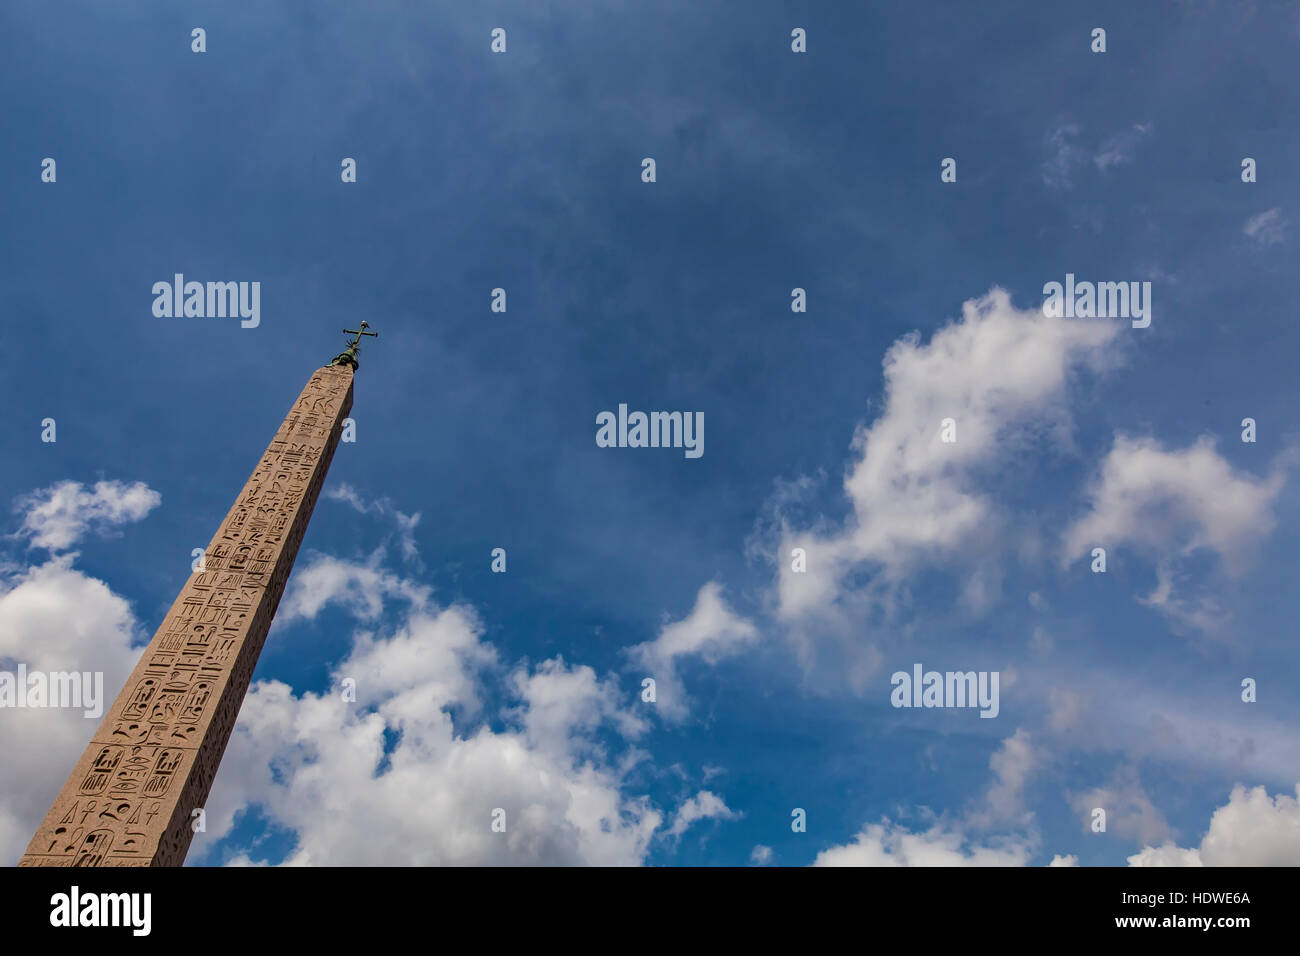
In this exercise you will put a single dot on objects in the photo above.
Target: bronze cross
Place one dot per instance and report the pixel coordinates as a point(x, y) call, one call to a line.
point(349, 355)
point(355, 343)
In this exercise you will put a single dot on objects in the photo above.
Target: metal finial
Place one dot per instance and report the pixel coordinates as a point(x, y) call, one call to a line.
point(349, 355)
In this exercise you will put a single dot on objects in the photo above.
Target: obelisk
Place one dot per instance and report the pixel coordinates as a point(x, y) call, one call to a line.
point(133, 797)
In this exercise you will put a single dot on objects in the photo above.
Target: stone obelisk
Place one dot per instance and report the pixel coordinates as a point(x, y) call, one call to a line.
point(133, 796)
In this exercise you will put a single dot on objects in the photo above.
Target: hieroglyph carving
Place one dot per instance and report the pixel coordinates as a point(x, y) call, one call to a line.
point(153, 759)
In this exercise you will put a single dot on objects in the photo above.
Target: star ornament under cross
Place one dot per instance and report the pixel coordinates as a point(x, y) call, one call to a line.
point(349, 355)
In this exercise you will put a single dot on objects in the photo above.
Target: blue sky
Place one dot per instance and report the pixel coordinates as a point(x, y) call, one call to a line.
point(775, 170)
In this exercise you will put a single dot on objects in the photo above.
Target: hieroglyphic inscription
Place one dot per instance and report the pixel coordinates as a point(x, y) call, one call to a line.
point(152, 761)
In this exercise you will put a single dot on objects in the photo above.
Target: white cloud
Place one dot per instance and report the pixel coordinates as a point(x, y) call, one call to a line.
point(1165, 855)
point(888, 844)
point(53, 618)
point(401, 776)
point(1170, 504)
point(712, 631)
point(761, 855)
point(360, 588)
point(1068, 860)
point(705, 805)
point(318, 765)
point(60, 515)
point(1266, 229)
point(1252, 829)
point(563, 704)
point(1186, 499)
point(435, 654)
point(1001, 373)
point(430, 801)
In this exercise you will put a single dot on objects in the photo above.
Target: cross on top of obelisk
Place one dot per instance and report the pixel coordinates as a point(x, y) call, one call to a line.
point(349, 355)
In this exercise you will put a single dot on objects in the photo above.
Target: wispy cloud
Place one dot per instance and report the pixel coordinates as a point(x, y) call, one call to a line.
point(1129, 810)
point(1266, 229)
point(405, 524)
point(705, 805)
point(1066, 156)
point(1119, 149)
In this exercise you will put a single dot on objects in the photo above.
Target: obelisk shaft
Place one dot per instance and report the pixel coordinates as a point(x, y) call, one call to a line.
point(132, 798)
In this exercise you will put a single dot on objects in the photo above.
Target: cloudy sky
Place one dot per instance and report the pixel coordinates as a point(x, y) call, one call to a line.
point(774, 170)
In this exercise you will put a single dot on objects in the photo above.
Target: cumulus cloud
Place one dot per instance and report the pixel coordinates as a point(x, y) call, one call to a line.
point(995, 369)
point(1252, 829)
point(322, 768)
point(711, 632)
point(53, 618)
point(1000, 373)
point(761, 855)
point(1171, 504)
point(404, 776)
point(360, 588)
point(1185, 499)
point(889, 844)
point(562, 705)
point(438, 738)
point(435, 654)
point(1166, 855)
point(58, 517)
